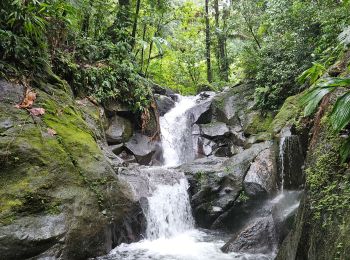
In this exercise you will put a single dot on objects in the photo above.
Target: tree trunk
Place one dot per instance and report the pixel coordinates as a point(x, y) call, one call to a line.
point(222, 61)
point(149, 58)
point(134, 28)
point(217, 26)
point(250, 27)
point(86, 20)
point(143, 49)
point(223, 47)
point(208, 42)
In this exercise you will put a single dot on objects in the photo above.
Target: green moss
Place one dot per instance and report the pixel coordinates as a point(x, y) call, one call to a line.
point(289, 114)
point(328, 186)
point(36, 164)
point(258, 124)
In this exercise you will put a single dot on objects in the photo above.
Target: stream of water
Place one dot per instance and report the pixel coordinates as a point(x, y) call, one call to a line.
point(171, 233)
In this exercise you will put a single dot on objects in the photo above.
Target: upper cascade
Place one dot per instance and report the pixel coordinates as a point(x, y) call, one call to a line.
point(176, 128)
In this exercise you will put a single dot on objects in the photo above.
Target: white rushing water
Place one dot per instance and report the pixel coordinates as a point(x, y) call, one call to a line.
point(176, 129)
point(169, 211)
point(281, 157)
point(171, 232)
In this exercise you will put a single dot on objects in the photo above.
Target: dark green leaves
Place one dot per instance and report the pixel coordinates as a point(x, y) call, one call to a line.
point(313, 97)
point(340, 117)
point(341, 109)
point(312, 74)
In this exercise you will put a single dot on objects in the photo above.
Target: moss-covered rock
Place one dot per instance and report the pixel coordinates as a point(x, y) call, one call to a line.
point(52, 166)
point(288, 115)
point(257, 123)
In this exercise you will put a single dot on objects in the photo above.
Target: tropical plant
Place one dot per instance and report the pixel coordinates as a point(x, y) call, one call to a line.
point(312, 74)
point(340, 114)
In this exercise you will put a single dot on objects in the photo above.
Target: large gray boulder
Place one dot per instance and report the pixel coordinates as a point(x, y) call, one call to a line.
point(143, 148)
point(164, 104)
point(231, 105)
point(216, 183)
point(202, 112)
point(261, 177)
point(258, 237)
point(30, 236)
point(119, 130)
point(213, 130)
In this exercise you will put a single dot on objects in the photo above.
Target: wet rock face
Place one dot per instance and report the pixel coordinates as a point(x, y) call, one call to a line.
point(258, 237)
point(119, 130)
point(164, 104)
point(54, 186)
point(216, 184)
point(30, 236)
point(267, 226)
point(144, 149)
point(291, 160)
point(262, 175)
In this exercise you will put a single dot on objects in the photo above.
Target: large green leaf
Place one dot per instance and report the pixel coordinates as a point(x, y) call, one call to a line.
point(313, 97)
point(334, 82)
point(340, 116)
point(159, 42)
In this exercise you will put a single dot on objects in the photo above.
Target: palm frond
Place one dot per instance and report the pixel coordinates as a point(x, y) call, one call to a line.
point(313, 97)
point(340, 116)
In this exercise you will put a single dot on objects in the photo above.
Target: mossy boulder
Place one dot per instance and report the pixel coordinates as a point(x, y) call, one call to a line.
point(288, 115)
point(257, 123)
point(53, 169)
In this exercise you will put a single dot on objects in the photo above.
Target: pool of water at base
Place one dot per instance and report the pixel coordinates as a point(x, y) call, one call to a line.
point(190, 245)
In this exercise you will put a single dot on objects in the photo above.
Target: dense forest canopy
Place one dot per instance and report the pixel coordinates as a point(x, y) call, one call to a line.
point(114, 49)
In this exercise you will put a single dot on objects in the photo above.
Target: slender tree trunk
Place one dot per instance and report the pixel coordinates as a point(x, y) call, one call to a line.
point(86, 21)
point(250, 27)
point(217, 26)
point(208, 42)
point(222, 61)
point(143, 49)
point(223, 49)
point(134, 28)
point(149, 57)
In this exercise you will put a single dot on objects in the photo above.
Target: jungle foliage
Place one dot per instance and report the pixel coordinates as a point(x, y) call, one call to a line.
point(116, 48)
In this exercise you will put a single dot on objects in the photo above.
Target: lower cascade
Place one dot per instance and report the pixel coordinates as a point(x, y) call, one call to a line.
point(169, 211)
point(171, 232)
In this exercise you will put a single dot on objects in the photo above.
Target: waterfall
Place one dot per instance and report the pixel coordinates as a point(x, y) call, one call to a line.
point(281, 157)
point(291, 160)
point(170, 231)
point(176, 129)
point(169, 211)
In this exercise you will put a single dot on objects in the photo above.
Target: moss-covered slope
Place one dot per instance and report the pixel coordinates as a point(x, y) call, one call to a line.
point(51, 166)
